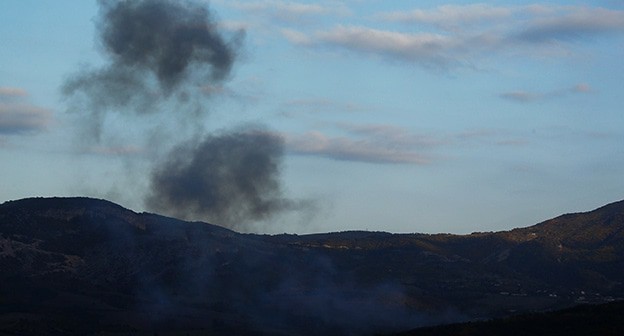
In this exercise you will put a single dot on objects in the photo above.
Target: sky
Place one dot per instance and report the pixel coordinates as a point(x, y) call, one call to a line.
point(396, 116)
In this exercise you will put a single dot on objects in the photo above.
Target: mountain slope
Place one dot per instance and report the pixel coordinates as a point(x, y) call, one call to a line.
point(79, 265)
point(603, 320)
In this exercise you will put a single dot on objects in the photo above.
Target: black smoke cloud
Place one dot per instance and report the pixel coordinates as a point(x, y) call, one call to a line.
point(166, 38)
point(159, 54)
point(227, 178)
point(155, 50)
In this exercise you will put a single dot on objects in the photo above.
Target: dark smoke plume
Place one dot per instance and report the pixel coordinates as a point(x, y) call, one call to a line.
point(164, 37)
point(160, 53)
point(156, 49)
point(228, 179)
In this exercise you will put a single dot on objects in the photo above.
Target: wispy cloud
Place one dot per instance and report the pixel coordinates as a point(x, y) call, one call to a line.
point(11, 93)
point(393, 136)
point(453, 35)
point(312, 106)
point(490, 137)
point(431, 50)
point(522, 96)
point(23, 119)
point(288, 11)
point(572, 23)
point(347, 149)
point(389, 144)
point(296, 37)
point(424, 48)
point(365, 143)
point(450, 17)
point(20, 117)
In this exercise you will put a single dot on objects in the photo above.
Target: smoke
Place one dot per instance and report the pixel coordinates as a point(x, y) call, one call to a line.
point(227, 178)
point(156, 50)
point(159, 55)
point(164, 37)
point(316, 298)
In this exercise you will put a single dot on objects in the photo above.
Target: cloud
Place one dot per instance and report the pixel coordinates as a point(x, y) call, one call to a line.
point(430, 50)
point(281, 7)
point(533, 23)
point(23, 119)
point(450, 17)
point(572, 23)
point(365, 143)
point(288, 11)
point(18, 116)
point(389, 144)
point(459, 36)
point(7, 93)
point(522, 96)
point(425, 48)
point(393, 135)
point(296, 37)
point(320, 105)
point(491, 137)
point(346, 149)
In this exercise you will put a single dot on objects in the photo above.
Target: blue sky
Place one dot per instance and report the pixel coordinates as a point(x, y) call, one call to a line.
point(397, 116)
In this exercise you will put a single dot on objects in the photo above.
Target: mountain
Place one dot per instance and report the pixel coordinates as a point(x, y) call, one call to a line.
point(602, 319)
point(85, 266)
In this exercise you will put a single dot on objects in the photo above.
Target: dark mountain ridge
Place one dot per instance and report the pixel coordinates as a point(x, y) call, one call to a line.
point(81, 265)
point(603, 319)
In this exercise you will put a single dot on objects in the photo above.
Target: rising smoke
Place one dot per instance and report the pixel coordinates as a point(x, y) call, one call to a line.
point(228, 178)
point(160, 53)
point(155, 49)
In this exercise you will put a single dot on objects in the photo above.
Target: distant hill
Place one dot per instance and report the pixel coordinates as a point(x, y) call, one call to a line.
point(81, 265)
point(603, 319)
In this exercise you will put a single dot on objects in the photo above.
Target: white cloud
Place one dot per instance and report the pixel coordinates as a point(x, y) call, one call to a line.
point(296, 37)
point(451, 17)
point(451, 36)
point(347, 149)
point(426, 48)
point(365, 143)
point(288, 11)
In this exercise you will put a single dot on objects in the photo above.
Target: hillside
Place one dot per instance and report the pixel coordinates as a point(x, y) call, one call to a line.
point(604, 320)
point(79, 265)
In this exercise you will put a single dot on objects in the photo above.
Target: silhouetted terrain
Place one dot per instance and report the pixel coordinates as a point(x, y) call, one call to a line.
point(80, 266)
point(604, 320)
